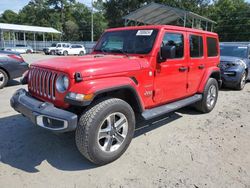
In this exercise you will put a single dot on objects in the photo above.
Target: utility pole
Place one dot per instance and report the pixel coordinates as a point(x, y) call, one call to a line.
point(92, 21)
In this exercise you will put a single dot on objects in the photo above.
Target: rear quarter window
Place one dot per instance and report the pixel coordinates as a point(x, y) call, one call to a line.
point(212, 47)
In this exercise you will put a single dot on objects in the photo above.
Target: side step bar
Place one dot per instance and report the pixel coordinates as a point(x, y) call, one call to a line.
point(164, 109)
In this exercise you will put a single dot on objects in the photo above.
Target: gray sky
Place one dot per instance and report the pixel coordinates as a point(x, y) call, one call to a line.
point(16, 5)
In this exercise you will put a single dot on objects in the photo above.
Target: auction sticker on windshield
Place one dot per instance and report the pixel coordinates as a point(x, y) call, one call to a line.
point(144, 32)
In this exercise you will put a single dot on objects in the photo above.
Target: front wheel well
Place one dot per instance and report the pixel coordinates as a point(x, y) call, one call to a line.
point(127, 94)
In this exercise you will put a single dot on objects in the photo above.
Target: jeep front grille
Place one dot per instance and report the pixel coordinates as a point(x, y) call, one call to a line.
point(42, 82)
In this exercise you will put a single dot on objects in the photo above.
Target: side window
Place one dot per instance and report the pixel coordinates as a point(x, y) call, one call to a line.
point(212, 47)
point(59, 45)
point(196, 46)
point(177, 40)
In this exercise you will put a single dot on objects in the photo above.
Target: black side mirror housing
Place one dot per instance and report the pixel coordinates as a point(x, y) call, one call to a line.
point(167, 52)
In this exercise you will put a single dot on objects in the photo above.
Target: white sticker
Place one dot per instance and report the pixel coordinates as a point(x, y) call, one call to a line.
point(242, 47)
point(144, 32)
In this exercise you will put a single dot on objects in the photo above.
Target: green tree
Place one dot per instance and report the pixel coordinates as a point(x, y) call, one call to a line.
point(71, 31)
point(232, 17)
point(9, 17)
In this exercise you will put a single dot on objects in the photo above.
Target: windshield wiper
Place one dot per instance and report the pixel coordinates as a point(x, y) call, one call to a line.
point(120, 50)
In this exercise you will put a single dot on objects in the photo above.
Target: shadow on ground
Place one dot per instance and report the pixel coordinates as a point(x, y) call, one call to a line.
point(13, 83)
point(24, 146)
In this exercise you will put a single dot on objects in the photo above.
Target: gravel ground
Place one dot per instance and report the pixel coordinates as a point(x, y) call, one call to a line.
point(183, 149)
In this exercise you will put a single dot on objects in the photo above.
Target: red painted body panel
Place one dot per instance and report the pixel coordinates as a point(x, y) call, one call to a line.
point(158, 83)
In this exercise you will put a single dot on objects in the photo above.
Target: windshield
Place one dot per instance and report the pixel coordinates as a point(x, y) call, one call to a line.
point(235, 51)
point(127, 41)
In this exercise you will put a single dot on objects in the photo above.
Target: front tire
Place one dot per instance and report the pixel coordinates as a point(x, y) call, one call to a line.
point(242, 82)
point(105, 130)
point(210, 96)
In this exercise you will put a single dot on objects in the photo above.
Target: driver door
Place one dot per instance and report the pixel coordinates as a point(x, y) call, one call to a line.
point(171, 74)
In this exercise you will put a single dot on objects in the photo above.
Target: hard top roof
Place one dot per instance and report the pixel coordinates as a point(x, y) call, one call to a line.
point(167, 27)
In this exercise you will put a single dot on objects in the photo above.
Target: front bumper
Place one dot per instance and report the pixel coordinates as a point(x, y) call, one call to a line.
point(43, 114)
point(231, 78)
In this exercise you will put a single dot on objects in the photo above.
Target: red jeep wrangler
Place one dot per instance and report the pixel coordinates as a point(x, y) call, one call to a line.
point(152, 70)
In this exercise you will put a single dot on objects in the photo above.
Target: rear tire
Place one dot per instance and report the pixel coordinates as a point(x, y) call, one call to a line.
point(65, 53)
point(52, 52)
point(209, 98)
point(242, 82)
point(81, 53)
point(105, 130)
point(3, 78)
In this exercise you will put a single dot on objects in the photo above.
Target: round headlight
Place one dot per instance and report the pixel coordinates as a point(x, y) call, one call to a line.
point(62, 83)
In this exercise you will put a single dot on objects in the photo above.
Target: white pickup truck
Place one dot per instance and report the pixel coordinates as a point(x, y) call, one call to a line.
point(52, 49)
point(73, 49)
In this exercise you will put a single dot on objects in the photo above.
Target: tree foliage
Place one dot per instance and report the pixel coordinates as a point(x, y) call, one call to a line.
point(69, 16)
point(74, 18)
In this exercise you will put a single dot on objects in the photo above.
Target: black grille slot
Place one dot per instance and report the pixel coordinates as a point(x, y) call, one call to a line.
point(42, 82)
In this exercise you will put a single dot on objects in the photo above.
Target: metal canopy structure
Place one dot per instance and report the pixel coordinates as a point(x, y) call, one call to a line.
point(13, 29)
point(159, 14)
point(27, 28)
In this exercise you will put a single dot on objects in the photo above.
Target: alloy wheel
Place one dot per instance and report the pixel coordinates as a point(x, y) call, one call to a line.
point(112, 132)
point(211, 97)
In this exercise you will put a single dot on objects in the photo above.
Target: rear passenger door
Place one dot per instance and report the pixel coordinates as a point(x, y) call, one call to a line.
point(196, 61)
point(171, 75)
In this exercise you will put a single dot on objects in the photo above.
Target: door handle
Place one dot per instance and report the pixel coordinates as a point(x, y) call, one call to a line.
point(201, 66)
point(183, 69)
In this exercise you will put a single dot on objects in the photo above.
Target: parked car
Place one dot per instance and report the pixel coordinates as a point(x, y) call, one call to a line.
point(52, 50)
point(150, 70)
point(73, 49)
point(12, 66)
point(235, 64)
point(20, 48)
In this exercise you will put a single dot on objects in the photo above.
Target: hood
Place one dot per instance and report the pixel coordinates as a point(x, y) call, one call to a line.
point(92, 65)
point(229, 61)
point(229, 58)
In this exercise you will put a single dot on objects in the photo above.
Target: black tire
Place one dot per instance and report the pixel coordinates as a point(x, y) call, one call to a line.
point(203, 105)
point(3, 78)
point(65, 53)
point(87, 132)
point(242, 82)
point(52, 52)
point(81, 53)
point(28, 52)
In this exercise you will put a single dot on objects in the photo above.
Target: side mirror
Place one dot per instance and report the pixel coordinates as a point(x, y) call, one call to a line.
point(167, 52)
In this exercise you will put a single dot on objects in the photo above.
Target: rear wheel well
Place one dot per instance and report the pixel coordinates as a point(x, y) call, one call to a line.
point(126, 94)
point(216, 76)
point(5, 72)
